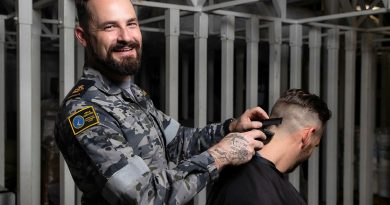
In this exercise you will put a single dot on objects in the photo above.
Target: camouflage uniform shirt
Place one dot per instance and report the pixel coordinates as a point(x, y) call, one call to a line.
point(118, 146)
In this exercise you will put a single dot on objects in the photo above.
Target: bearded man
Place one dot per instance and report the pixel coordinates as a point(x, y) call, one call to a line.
point(117, 144)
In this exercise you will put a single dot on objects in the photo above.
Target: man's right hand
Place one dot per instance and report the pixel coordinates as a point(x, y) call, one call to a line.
point(237, 148)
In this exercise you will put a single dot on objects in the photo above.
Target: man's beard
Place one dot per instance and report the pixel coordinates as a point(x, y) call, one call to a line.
point(125, 66)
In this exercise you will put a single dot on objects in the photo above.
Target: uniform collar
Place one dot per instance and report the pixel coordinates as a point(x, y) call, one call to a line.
point(101, 82)
point(107, 86)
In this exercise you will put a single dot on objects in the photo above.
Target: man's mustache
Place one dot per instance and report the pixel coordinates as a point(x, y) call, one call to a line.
point(123, 44)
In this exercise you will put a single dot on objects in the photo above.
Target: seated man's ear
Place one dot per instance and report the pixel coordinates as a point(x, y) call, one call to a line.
point(308, 135)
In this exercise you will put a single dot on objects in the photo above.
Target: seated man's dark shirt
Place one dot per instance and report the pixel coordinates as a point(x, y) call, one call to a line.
point(257, 182)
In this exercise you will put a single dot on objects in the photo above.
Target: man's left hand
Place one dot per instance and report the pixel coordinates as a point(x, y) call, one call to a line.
point(249, 120)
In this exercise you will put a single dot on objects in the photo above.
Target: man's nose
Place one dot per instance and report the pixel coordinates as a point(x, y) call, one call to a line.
point(124, 34)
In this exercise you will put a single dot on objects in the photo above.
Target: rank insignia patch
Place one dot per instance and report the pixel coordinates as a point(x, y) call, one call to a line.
point(83, 119)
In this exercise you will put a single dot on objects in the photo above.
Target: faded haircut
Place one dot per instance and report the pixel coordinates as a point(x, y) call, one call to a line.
point(298, 104)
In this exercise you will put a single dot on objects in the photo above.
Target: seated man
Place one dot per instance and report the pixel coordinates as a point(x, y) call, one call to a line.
point(264, 180)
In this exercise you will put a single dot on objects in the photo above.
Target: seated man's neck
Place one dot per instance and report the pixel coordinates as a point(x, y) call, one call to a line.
point(281, 152)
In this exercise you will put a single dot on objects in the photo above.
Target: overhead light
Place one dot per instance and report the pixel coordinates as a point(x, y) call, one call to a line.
point(358, 8)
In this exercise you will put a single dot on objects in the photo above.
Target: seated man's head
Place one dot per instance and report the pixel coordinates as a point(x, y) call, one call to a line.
point(304, 118)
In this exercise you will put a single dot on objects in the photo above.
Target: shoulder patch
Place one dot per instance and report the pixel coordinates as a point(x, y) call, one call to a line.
point(83, 119)
point(80, 88)
point(144, 93)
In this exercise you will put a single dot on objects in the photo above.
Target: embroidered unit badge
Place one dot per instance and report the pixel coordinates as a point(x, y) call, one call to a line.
point(83, 119)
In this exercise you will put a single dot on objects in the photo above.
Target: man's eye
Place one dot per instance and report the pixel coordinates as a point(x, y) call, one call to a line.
point(109, 27)
point(132, 24)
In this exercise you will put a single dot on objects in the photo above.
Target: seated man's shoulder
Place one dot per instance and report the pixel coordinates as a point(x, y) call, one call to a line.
point(252, 183)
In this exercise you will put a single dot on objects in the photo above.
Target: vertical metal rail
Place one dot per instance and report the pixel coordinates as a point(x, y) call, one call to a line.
point(227, 58)
point(331, 128)
point(162, 84)
point(280, 8)
point(66, 14)
point(314, 87)
point(252, 61)
point(239, 79)
point(386, 3)
point(275, 41)
point(200, 69)
point(172, 32)
point(36, 104)
point(210, 86)
point(349, 116)
point(28, 107)
point(295, 79)
point(315, 60)
point(2, 101)
point(184, 84)
point(284, 67)
point(367, 120)
point(296, 56)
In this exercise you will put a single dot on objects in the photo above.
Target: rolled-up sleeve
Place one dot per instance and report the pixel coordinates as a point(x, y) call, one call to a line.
point(185, 142)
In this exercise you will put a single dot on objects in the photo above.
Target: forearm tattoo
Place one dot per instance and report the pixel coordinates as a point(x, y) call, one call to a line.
point(237, 151)
point(220, 155)
point(238, 145)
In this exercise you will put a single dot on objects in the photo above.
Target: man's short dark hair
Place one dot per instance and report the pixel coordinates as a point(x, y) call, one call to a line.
point(83, 14)
point(304, 100)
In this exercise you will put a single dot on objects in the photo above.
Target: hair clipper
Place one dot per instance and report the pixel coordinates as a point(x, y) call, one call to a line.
point(266, 123)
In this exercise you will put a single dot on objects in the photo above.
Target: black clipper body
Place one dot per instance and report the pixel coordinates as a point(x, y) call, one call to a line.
point(266, 123)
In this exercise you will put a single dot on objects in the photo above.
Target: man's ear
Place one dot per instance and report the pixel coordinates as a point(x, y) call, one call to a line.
point(81, 35)
point(307, 135)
